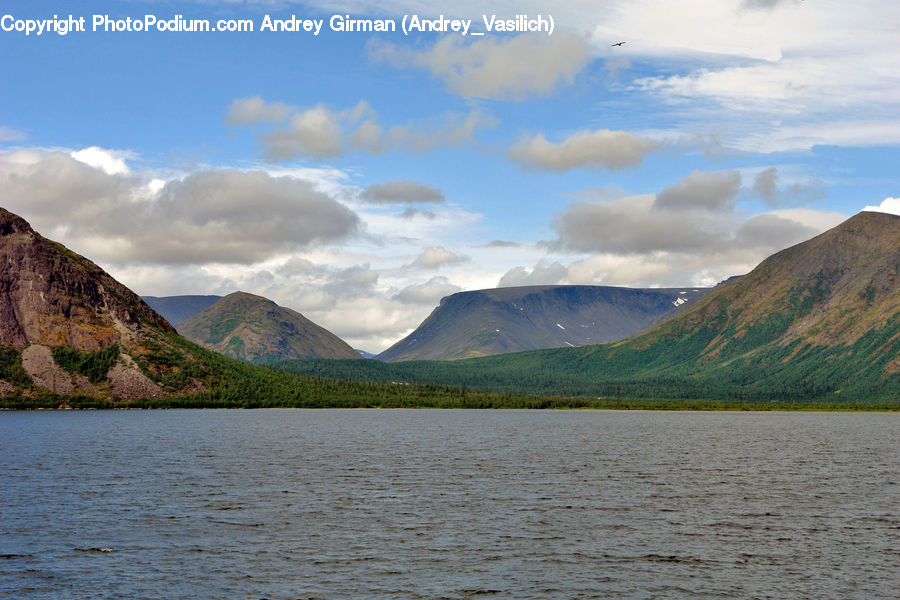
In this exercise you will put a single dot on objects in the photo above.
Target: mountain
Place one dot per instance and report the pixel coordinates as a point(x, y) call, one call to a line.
point(58, 310)
point(252, 328)
point(817, 321)
point(50, 295)
point(176, 309)
point(503, 320)
point(71, 336)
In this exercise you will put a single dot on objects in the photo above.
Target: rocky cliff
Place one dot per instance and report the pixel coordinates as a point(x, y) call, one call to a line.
point(51, 296)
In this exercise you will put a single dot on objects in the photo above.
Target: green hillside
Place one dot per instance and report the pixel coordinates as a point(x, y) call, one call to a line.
point(249, 327)
point(819, 321)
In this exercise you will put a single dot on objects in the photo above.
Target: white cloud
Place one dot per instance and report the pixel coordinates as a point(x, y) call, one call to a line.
point(767, 185)
point(315, 133)
point(690, 233)
point(246, 111)
point(788, 78)
point(703, 190)
point(543, 273)
point(603, 148)
point(222, 215)
point(321, 132)
point(429, 292)
point(434, 257)
point(888, 205)
point(504, 69)
point(111, 162)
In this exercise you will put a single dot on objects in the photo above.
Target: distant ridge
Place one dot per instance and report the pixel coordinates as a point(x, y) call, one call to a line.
point(176, 309)
point(71, 337)
point(816, 322)
point(505, 320)
point(252, 328)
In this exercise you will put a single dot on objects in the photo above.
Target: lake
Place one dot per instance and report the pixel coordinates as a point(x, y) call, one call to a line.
point(286, 504)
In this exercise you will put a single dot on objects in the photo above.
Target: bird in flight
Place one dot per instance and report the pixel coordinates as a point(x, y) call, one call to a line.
point(617, 44)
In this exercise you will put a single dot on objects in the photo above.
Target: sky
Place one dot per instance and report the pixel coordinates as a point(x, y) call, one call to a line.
point(360, 176)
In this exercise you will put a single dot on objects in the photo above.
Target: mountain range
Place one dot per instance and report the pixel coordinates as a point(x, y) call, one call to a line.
point(514, 319)
point(71, 336)
point(819, 320)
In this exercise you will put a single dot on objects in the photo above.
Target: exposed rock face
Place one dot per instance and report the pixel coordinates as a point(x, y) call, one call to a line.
point(51, 296)
point(7, 389)
point(249, 327)
point(128, 382)
point(38, 362)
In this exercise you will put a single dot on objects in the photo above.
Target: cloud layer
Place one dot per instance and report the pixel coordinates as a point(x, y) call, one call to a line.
point(603, 148)
point(222, 215)
point(504, 69)
point(401, 192)
point(321, 132)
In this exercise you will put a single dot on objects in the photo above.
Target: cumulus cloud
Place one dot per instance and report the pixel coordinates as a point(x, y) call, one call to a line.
point(401, 192)
point(703, 190)
point(322, 132)
point(221, 215)
point(435, 257)
point(315, 133)
point(496, 68)
point(770, 230)
point(603, 148)
point(349, 300)
point(351, 282)
point(634, 225)
point(766, 186)
point(246, 111)
point(693, 235)
point(428, 293)
point(543, 273)
point(111, 162)
point(888, 205)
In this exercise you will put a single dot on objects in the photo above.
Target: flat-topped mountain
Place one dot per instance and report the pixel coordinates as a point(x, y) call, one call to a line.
point(503, 320)
point(253, 328)
point(817, 321)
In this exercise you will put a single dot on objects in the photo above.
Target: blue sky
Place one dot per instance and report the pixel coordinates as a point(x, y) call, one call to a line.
point(359, 177)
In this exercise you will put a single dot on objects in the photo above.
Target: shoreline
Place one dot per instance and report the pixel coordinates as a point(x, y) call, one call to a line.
point(629, 406)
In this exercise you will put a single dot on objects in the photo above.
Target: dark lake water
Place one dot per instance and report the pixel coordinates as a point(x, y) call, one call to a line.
point(285, 504)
